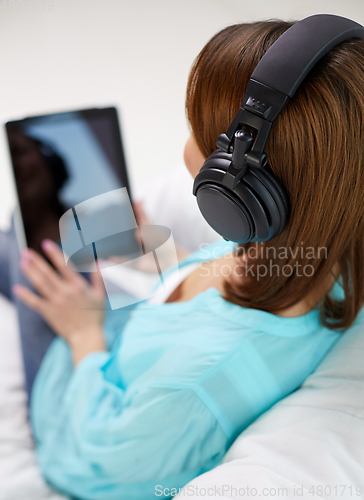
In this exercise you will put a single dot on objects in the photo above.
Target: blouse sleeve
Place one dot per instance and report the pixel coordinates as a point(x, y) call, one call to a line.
point(107, 442)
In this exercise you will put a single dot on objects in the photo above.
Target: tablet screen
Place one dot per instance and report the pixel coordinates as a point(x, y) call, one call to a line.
point(72, 183)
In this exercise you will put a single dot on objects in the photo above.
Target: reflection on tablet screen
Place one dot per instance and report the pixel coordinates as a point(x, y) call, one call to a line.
point(60, 162)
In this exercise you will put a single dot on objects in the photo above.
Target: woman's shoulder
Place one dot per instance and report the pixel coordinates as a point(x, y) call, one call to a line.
point(210, 251)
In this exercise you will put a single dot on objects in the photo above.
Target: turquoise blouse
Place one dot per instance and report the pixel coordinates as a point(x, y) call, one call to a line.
point(179, 384)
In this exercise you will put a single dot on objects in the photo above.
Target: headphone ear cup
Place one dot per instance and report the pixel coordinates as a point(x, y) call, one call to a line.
point(277, 191)
point(217, 160)
point(220, 206)
point(255, 210)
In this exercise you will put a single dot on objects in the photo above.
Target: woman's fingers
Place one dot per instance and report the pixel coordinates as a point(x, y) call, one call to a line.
point(56, 256)
point(39, 273)
point(47, 281)
point(64, 289)
point(29, 298)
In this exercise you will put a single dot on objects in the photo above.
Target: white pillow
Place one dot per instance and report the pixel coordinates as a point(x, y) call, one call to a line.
point(310, 443)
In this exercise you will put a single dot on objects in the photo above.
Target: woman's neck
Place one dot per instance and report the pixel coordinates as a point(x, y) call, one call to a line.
point(213, 274)
point(310, 301)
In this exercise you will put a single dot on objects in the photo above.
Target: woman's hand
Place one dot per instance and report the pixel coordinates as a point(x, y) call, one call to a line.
point(73, 307)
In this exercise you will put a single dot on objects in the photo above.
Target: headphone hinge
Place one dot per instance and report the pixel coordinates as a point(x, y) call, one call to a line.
point(255, 156)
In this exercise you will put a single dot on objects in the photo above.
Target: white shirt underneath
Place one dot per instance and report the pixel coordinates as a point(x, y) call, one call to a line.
point(172, 282)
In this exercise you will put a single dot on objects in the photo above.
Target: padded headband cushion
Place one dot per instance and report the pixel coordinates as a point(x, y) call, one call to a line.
point(288, 61)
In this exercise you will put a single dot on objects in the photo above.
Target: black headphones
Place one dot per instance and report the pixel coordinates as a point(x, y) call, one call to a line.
point(236, 191)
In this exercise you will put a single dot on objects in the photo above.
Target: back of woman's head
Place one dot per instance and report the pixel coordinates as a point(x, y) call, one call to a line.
point(316, 149)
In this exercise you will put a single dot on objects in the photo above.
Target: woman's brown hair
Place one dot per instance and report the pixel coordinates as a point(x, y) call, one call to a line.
point(316, 149)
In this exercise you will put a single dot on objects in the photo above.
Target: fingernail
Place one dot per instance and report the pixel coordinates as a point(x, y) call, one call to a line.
point(47, 244)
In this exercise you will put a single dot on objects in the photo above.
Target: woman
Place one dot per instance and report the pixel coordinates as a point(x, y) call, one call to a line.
point(187, 376)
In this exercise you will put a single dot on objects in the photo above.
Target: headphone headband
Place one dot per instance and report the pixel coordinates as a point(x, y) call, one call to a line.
point(289, 60)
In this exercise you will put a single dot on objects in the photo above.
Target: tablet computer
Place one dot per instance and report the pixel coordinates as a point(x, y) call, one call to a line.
point(72, 184)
